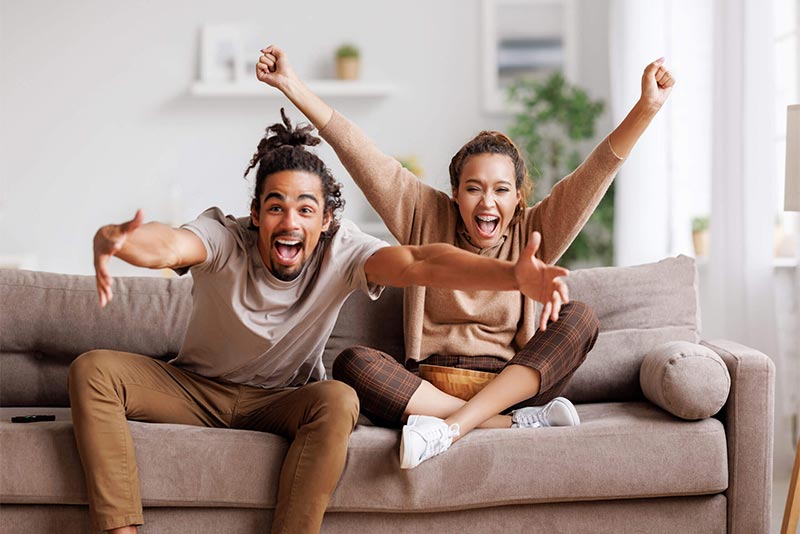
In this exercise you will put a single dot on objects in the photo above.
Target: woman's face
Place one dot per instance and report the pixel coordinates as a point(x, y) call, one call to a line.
point(487, 197)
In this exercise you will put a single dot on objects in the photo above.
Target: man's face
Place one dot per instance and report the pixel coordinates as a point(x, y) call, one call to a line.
point(291, 218)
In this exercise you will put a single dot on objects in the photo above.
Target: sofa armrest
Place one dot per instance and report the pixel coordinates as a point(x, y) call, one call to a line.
point(749, 420)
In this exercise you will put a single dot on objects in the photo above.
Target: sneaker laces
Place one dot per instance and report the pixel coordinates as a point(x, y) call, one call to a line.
point(438, 440)
point(536, 419)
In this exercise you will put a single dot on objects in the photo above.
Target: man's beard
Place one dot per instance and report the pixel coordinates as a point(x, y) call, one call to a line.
point(284, 275)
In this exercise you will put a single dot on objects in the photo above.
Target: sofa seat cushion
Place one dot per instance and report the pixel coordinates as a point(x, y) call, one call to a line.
point(621, 450)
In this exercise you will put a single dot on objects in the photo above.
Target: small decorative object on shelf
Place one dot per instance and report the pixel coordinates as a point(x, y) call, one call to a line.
point(226, 74)
point(700, 236)
point(222, 56)
point(348, 62)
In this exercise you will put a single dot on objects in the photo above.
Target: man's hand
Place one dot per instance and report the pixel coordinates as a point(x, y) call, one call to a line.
point(540, 282)
point(273, 68)
point(657, 84)
point(108, 241)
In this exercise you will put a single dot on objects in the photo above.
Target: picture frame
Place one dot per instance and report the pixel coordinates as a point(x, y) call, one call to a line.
point(222, 54)
point(525, 38)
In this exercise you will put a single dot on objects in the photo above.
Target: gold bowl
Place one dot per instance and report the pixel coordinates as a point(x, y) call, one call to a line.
point(461, 383)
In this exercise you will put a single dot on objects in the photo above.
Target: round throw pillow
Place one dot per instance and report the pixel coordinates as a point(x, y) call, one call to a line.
point(688, 380)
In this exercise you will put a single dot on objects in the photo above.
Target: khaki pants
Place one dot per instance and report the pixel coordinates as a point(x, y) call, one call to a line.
point(108, 387)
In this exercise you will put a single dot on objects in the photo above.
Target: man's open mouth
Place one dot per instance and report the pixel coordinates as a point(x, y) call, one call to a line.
point(288, 250)
point(486, 225)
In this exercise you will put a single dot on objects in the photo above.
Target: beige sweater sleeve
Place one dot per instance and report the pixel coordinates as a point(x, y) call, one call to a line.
point(393, 191)
point(561, 215)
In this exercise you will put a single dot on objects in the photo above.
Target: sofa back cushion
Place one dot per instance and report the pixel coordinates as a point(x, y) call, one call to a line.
point(47, 320)
point(639, 308)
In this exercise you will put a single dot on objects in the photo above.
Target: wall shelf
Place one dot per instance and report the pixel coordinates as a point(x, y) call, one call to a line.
point(324, 88)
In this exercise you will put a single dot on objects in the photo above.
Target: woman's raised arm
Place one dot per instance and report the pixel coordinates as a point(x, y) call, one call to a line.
point(657, 83)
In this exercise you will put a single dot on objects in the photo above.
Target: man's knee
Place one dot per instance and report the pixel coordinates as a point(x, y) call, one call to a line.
point(87, 366)
point(337, 399)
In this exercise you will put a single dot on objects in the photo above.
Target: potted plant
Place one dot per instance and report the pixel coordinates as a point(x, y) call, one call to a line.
point(700, 236)
point(347, 62)
point(554, 118)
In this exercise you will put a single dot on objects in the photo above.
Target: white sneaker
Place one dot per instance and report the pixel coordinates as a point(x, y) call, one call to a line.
point(557, 412)
point(424, 437)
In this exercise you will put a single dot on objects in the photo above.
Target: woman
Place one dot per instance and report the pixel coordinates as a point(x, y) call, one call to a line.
point(479, 330)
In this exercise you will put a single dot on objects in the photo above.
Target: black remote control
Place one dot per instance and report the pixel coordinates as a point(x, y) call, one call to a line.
point(32, 418)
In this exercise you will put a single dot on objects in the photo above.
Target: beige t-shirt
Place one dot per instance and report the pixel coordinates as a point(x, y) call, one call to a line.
point(249, 327)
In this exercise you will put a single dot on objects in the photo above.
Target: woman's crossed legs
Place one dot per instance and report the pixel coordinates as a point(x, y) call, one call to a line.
point(390, 394)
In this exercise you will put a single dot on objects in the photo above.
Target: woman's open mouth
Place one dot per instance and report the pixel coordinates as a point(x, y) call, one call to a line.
point(288, 250)
point(486, 225)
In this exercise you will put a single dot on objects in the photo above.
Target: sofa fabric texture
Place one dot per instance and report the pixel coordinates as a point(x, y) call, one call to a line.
point(693, 462)
point(630, 466)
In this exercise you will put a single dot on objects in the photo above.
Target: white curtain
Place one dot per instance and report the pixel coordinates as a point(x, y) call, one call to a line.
point(741, 268)
point(667, 178)
point(641, 214)
point(715, 135)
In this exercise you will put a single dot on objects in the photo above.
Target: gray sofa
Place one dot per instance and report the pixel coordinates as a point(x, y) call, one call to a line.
point(629, 467)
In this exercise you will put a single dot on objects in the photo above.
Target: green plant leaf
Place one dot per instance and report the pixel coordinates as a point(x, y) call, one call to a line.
point(347, 50)
point(554, 118)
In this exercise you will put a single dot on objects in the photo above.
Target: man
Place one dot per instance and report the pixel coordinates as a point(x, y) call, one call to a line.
point(266, 294)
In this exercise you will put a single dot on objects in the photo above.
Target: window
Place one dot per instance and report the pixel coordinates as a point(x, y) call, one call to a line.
point(787, 84)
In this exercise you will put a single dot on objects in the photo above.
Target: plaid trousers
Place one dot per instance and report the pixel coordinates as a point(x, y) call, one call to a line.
point(384, 386)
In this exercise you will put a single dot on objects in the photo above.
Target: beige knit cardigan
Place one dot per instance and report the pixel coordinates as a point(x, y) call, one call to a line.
point(470, 323)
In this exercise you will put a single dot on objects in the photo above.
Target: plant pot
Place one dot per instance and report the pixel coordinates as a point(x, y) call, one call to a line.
point(701, 243)
point(347, 68)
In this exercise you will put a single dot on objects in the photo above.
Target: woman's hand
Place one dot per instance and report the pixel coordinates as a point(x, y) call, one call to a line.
point(541, 282)
point(657, 83)
point(273, 68)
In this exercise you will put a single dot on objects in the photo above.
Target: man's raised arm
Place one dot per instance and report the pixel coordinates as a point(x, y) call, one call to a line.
point(445, 266)
point(394, 191)
point(153, 245)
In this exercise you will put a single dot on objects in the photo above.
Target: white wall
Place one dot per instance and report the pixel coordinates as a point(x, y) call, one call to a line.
point(96, 121)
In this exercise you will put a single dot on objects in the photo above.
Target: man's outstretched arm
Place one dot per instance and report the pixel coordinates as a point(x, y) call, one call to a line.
point(153, 245)
point(445, 266)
